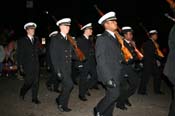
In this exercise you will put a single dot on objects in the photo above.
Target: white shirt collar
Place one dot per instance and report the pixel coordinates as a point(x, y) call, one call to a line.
point(112, 33)
point(152, 40)
point(63, 35)
point(127, 41)
point(30, 37)
point(86, 37)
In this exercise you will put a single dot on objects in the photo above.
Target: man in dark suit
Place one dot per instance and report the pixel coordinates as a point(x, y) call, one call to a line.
point(108, 57)
point(28, 61)
point(52, 83)
point(89, 65)
point(61, 56)
point(130, 73)
point(169, 65)
point(151, 63)
point(169, 68)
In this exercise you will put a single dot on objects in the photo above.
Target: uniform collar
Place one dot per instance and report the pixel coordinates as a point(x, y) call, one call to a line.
point(30, 37)
point(86, 36)
point(64, 36)
point(127, 41)
point(111, 33)
point(152, 40)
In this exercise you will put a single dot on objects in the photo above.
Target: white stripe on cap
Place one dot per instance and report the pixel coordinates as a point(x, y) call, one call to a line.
point(86, 26)
point(153, 31)
point(126, 28)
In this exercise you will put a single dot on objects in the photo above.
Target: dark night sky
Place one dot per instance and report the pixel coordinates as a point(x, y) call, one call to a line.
point(128, 12)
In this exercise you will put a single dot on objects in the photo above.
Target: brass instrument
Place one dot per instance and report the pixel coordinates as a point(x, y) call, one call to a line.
point(127, 54)
point(77, 50)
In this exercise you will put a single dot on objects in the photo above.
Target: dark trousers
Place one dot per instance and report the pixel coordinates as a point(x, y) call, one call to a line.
point(75, 73)
point(31, 80)
point(172, 105)
point(67, 86)
point(149, 71)
point(53, 80)
point(86, 82)
point(128, 84)
point(107, 103)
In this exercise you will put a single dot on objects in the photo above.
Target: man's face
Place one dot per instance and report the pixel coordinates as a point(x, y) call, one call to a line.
point(65, 28)
point(31, 31)
point(89, 31)
point(111, 25)
point(154, 37)
point(128, 36)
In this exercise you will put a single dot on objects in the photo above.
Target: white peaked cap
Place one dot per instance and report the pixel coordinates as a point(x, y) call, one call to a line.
point(106, 17)
point(89, 25)
point(65, 21)
point(30, 24)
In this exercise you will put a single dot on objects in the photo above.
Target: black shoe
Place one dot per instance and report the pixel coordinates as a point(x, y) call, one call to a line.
point(128, 103)
point(63, 109)
point(67, 109)
point(159, 93)
point(96, 113)
point(75, 82)
point(88, 93)
point(56, 90)
point(142, 93)
point(83, 98)
point(49, 87)
point(121, 106)
point(96, 87)
point(36, 101)
point(21, 97)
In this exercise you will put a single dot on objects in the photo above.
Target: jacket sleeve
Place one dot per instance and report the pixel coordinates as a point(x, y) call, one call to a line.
point(54, 55)
point(106, 64)
point(148, 50)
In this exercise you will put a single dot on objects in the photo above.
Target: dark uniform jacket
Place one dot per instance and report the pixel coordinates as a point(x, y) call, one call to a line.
point(134, 63)
point(86, 46)
point(150, 57)
point(131, 49)
point(27, 54)
point(108, 57)
point(60, 53)
point(88, 49)
point(170, 63)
